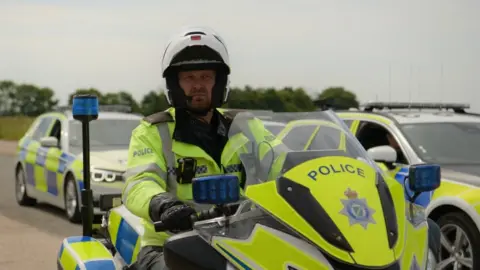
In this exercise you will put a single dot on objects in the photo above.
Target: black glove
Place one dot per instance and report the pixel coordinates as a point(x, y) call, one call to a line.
point(178, 218)
point(174, 214)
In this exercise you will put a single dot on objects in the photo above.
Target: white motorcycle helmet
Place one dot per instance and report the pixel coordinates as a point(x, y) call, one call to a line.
point(196, 48)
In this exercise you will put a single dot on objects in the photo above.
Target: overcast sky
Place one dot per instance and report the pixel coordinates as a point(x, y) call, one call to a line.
point(117, 44)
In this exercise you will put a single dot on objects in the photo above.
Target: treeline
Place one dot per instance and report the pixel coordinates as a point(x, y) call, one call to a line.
point(32, 100)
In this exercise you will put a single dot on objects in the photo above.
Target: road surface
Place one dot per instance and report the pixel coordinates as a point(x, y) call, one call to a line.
point(29, 236)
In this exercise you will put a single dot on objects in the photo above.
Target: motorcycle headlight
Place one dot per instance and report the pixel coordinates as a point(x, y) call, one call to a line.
point(98, 175)
point(431, 261)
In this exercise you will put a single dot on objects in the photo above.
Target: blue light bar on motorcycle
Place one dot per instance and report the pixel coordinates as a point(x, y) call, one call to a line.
point(216, 189)
point(424, 177)
point(85, 107)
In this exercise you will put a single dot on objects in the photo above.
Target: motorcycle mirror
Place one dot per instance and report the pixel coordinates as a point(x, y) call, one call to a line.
point(216, 189)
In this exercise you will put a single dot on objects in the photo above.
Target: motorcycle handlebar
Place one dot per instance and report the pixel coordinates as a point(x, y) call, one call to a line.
point(202, 215)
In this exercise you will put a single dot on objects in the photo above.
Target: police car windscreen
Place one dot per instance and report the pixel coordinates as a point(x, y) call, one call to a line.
point(445, 143)
point(104, 133)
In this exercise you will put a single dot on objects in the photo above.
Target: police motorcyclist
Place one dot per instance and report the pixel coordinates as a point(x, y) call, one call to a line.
point(188, 140)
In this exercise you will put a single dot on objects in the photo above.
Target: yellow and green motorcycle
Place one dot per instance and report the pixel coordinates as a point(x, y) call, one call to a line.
point(326, 207)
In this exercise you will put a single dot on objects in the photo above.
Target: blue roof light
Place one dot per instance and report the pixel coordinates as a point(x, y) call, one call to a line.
point(85, 106)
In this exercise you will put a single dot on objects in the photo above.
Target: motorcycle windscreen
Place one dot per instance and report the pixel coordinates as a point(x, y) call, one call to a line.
point(321, 183)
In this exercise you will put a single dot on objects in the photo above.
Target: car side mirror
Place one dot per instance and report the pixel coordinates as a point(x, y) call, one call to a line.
point(384, 153)
point(49, 142)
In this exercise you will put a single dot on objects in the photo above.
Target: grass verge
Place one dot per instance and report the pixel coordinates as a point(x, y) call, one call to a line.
point(13, 127)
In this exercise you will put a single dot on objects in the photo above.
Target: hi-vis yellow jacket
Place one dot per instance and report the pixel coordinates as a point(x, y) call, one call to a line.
point(152, 162)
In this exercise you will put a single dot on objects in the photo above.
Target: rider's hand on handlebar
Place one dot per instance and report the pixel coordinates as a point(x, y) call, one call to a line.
point(178, 218)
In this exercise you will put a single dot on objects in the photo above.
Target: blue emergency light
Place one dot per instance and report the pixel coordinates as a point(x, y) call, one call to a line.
point(85, 107)
point(216, 189)
point(424, 177)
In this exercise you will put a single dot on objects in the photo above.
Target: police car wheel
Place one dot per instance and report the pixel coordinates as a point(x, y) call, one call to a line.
point(72, 204)
point(21, 189)
point(460, 241)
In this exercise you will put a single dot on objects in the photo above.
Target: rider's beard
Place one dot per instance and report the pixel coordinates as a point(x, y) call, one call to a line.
point(199, 99)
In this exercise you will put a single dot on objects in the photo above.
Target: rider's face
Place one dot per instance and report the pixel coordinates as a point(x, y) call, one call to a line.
point(198, 85)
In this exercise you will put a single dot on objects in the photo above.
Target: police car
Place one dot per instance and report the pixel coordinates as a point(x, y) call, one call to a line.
point(49, 165)
point(440, 133)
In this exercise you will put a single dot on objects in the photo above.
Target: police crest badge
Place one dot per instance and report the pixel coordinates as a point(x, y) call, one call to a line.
point(357, 210)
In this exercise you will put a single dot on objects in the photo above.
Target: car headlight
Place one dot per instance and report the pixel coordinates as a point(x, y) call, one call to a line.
point(98, 175)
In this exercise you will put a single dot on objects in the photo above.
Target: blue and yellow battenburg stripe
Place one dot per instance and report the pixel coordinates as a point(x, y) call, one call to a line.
point(80, 251)
point(45, 174)
point(84, 253)
point(125, 229)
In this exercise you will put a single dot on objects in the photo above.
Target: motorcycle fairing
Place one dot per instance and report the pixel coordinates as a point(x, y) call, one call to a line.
point(365, 241)
point(267, 248)
point(125, 230)
point(189, 251)
point(325, 190)
point(416, 246)
point(83, 252)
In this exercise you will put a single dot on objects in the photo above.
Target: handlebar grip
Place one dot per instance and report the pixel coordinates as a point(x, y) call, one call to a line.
point(202, 215)
point(209, 214)
point(159, 226)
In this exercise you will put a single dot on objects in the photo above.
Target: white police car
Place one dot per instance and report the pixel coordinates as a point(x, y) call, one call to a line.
point(49, 166)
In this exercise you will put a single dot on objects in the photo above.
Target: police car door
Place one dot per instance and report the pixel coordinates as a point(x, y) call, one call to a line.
point(37, 155)
point(52, 163)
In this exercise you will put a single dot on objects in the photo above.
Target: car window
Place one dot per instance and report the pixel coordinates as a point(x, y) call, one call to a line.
point(56, 130)
point(372, 134)
point(298, 136)
point(274, 129)
point(42, 128)
point(103, 132)
point(348, 123)
point(326, 136)
point(445, 143)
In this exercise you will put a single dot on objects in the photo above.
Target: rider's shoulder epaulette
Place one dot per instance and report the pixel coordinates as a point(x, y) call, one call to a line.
point(159, 117)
